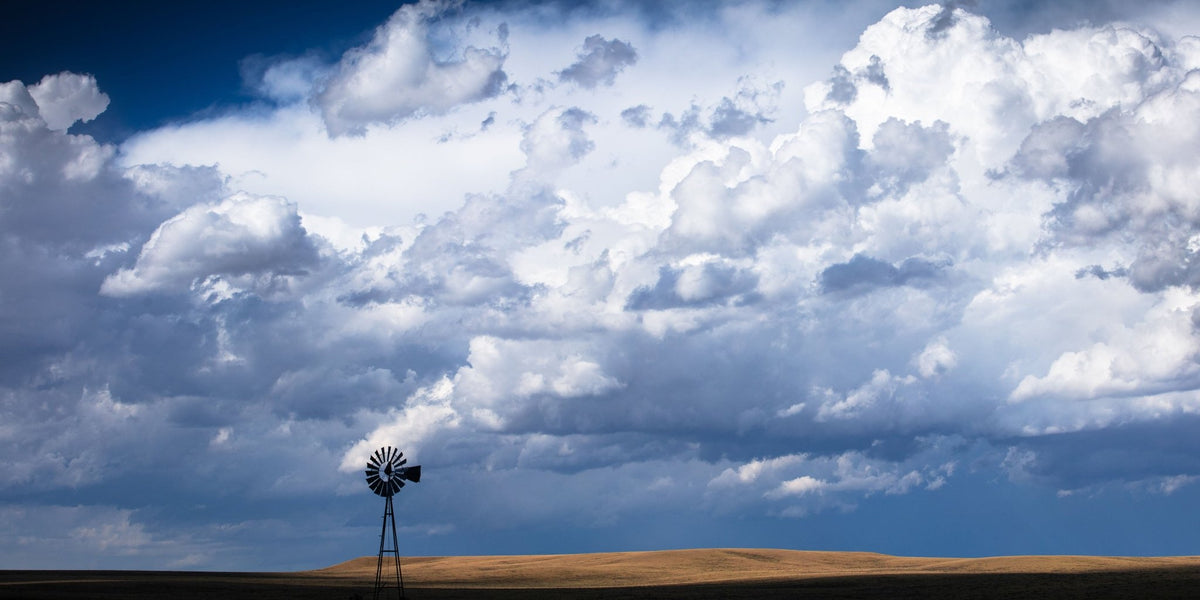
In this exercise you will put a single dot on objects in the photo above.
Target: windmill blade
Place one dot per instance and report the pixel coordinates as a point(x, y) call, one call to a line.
point(378, 456)
point(389, 454)
point(377, 487)
point(402, 462)
point(372, 473)
point(373, 478)
point(396, 484)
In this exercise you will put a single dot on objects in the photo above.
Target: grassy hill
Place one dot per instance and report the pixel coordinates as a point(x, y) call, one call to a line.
point(702, 573)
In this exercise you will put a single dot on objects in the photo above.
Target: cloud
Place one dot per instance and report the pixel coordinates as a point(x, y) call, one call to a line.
point(66, 98)
point(599, 62)
point(557, 139)
point(936, 358)
point(748, 109)
point(696, 282)
point(864, 272)
point(880, 389)
point(908, 153)
point(285, 81)
point(1114, 192)
point(91, 537)
point(741, 194)
point(637, 116)
point(61, 189)
point(868, 241)
point(1152, 357)
point(1093, 461)
point(397, 75)
point(241, 237)
point(797, 485)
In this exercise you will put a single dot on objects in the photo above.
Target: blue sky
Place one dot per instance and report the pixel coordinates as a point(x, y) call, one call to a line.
point(620, 276)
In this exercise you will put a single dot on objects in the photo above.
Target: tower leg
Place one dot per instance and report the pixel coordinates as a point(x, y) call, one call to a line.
point(396, 551)
point(379, 564)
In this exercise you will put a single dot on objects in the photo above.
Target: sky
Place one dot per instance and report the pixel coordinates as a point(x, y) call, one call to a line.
point(620, 275)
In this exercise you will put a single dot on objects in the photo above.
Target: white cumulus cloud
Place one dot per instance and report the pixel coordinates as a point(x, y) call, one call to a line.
point(242, 236)
point(65, 98)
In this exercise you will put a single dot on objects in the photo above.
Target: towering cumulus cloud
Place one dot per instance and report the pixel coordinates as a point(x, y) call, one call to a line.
point(957, 267)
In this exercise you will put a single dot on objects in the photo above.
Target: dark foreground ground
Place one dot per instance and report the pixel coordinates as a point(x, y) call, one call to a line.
point(1154, 583)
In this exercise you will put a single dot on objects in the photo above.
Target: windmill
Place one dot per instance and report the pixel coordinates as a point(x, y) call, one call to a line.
point(386, 474)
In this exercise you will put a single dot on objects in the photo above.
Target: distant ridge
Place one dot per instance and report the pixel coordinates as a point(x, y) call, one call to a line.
point(721, 565)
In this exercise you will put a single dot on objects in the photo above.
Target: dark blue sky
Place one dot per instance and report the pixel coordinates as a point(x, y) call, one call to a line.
point(162, 61)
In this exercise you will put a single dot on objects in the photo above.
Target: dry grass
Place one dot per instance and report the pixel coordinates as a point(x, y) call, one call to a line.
point(710, 566)
point(716, 573)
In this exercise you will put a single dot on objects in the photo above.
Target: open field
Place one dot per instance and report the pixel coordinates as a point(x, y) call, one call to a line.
point(718, 573)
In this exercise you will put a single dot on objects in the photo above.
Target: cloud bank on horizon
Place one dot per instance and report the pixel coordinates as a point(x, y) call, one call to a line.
point(639, 269)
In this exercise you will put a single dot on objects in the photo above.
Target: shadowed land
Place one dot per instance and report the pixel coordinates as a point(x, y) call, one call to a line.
point(717, 573)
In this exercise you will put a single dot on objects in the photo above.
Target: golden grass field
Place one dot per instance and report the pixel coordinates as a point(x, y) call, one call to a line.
point(705, 573)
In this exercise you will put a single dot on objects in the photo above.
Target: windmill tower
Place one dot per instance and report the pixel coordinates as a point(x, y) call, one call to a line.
point(386, 474)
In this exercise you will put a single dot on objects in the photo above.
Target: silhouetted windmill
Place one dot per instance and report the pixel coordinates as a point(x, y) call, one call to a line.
point(386, 474)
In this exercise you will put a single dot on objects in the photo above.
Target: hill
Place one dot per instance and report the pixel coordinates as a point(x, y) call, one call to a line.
point(702, 573)
point(706, 566)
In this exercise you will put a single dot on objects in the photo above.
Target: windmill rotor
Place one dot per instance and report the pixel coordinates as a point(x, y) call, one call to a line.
point(386, 471)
